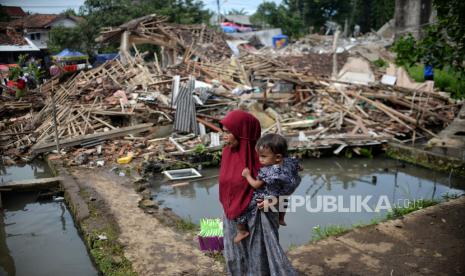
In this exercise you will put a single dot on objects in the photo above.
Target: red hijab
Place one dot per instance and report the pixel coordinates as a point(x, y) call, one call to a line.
point(235, 192)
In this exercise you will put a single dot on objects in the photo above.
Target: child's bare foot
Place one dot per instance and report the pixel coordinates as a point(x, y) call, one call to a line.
point(240, 236)
point(282, 222)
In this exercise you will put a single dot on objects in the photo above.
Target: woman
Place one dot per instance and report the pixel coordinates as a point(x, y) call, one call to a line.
point(259, 253)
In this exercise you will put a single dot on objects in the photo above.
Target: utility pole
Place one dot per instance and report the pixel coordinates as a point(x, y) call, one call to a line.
point(218, 12)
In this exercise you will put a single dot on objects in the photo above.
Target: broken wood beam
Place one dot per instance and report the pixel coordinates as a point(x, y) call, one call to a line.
point(40, 148)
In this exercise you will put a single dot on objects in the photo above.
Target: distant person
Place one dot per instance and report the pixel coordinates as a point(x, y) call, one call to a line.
point(428, 72)
point(21, 86)
point(356, 30)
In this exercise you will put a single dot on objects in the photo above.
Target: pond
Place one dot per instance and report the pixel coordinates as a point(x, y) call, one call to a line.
point(38, 235)
point(340, 178)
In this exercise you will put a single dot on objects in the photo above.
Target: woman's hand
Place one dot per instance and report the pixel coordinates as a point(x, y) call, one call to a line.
point(266, 204)
point(246, 172)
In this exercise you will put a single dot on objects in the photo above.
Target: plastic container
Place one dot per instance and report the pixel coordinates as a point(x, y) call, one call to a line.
point(280, 41)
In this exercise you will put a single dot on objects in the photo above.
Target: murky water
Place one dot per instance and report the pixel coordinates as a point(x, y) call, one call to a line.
point(33, 170)
point(38, 237)
point(379, 178)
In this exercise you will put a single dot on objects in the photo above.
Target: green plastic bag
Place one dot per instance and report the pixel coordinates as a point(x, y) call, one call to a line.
point(211, 227)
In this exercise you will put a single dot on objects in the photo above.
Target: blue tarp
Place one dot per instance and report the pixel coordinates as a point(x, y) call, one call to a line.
point(67, 54)
point(101, 58)
point(228, 29)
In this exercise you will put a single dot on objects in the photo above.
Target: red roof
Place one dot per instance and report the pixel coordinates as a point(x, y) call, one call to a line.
point(14, 11)
point(40, 21)
point(34, 21)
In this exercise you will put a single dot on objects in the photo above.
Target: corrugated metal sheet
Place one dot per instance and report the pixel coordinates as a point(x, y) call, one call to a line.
point(186, 117)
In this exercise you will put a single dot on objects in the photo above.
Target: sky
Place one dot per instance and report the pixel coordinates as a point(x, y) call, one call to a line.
point(57, 6)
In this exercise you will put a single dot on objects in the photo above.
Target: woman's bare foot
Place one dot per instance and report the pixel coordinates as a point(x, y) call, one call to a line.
point(282, 222)
point(240, 236)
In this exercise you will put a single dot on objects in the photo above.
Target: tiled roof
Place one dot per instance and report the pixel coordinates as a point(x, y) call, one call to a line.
point(34, 21)
point(39, 21)
point(14, 11)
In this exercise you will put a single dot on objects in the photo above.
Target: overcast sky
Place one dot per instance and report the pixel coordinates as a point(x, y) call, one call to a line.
point(57, 6)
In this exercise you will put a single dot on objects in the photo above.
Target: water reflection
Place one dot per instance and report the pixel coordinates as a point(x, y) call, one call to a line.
point(7, 264)
point(33, 170)
point(30, 227)
point(329, 176)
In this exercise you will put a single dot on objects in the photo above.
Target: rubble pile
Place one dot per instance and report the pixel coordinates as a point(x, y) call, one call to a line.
point(132, 108)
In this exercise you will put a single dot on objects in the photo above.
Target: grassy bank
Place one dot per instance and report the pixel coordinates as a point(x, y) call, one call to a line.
point(320, 232)
point(445, 80)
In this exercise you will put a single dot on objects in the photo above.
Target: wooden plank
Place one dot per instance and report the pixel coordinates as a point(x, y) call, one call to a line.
point(46, 147)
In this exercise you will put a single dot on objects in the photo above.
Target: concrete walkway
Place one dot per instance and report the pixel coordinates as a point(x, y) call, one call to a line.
point(427, 242)
point(151, 247)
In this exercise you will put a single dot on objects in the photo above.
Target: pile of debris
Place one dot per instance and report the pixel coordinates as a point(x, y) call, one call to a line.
point(175, 39)
point(132, 108)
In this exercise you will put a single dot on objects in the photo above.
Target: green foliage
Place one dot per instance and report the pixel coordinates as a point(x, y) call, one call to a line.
point(237, 12)
point(406, 50)
point(446, 196)
point(32, 69)
point(372, 14)
point(15, 73)
point(320, 233)
point(200, 149)
point(366, 152)
point(400, 211)
point(348, 153)
point(216, 160)
point(416, 72)
point(450, 32)
point(442, 46)
point(295, 16)
point(270, 14)
point(61, 37)
point(4, 17)
point(446, 80)
point(186, 225)
point(380, 63)
point(69, 12)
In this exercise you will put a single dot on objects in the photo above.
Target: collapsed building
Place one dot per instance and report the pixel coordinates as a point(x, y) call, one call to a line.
point(157, 110)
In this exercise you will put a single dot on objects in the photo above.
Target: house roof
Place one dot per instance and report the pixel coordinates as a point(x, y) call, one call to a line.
point(40, 21)
point(14, 11)
point(11, 40)
point(239, 19)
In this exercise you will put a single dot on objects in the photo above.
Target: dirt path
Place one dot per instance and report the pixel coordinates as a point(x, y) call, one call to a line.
point(428, 242)
point(152, 248)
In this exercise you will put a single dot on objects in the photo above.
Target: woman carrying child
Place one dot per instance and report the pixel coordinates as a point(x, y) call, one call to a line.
point(260, 253)
point(278, 177)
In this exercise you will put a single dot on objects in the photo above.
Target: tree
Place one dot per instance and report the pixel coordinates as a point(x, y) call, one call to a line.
point(372, 14)
point(444, 42)
point(237, 12)
point(295, 16)
point(442, 45)
point(61, 37)
point(278, 16)
point(4, 17)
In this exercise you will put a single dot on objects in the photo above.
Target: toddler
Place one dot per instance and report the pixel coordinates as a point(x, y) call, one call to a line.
point(278, 177)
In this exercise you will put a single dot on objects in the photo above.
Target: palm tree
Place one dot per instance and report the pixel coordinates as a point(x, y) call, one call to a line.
point(237, 12)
